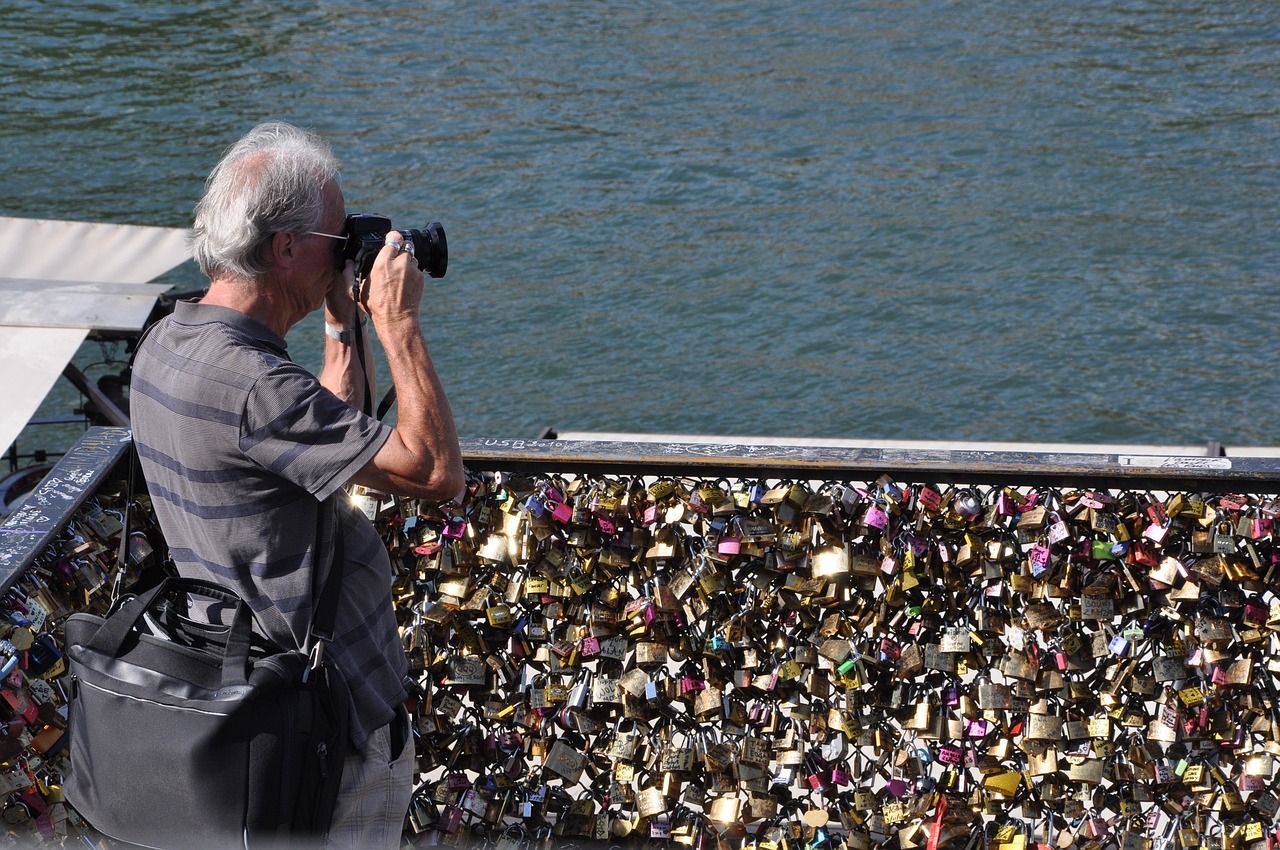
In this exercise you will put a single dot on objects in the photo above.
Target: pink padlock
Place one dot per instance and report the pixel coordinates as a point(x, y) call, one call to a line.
point(689, 685)
point(729, 545)
point(929, 498)
point(1256, 613)
point(875, 518)
point(1039, 556)
point(451, 820)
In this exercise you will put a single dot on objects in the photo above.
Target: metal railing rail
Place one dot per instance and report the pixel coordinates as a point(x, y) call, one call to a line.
point(1197, 473)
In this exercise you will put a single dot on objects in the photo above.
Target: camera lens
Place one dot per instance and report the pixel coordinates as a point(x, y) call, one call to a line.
point(431, 249)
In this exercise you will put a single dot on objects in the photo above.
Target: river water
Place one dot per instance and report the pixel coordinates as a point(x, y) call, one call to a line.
point(916, 219)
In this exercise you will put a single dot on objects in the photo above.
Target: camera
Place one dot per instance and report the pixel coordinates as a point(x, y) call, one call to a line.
point(366, 234)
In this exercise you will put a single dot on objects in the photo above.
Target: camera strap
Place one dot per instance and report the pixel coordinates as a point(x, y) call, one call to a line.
point(358, 340)
point(387, 400)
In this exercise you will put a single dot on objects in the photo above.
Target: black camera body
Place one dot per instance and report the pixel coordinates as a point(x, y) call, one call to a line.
point(366, 234)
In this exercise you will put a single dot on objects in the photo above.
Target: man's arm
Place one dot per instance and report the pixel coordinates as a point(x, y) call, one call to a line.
point(421, 457)
point(342, 373)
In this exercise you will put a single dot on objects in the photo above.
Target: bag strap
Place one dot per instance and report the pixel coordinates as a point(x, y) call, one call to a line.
point(122, 555)
point(325, 614)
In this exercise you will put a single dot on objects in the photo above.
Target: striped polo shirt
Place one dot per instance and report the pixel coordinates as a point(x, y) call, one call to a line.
point(240, 447)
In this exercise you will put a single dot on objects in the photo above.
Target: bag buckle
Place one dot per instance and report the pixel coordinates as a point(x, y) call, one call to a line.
point(316, 658)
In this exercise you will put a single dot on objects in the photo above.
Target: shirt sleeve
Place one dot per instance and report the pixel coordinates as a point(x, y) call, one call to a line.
point(302, 432)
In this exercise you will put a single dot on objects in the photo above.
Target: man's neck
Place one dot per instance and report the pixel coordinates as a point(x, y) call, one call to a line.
point(258, 301)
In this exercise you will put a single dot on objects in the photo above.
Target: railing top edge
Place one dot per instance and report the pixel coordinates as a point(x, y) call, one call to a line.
point(960, 466)
point(48, 508)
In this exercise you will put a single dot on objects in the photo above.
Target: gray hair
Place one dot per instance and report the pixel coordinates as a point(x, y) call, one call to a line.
point(270, 181)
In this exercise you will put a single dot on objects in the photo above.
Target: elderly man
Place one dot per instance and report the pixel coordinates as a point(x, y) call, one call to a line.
point(245, 452)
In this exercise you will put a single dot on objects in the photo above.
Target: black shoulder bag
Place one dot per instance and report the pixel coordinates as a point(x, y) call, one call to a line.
point(186, 734)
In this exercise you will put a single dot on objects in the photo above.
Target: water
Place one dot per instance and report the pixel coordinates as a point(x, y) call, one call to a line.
point(917, 220)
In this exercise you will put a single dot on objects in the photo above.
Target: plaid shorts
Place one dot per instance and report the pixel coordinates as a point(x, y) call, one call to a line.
point(374, 797)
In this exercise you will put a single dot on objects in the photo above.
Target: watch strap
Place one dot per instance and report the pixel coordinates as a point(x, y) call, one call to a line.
point(343, 335)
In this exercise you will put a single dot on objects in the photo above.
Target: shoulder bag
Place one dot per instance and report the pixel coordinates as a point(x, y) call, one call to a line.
point(186, 734)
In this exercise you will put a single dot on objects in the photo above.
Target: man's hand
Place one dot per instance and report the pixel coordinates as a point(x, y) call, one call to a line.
point(340, 307)
point(394, 292)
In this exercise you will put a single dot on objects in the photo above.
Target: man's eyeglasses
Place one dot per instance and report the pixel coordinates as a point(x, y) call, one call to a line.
point(338, 250)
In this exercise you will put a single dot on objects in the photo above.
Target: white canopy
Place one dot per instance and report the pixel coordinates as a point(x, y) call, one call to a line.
point(61, 280)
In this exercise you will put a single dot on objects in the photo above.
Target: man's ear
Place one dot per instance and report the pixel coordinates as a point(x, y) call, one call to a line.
point(284, 249)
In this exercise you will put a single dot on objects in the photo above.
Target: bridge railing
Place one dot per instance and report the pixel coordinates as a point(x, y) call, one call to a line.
point(628, 642)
